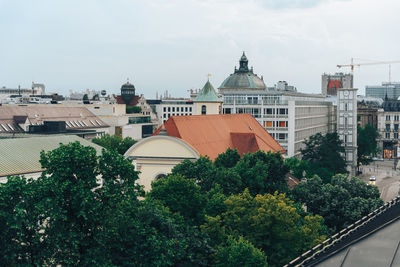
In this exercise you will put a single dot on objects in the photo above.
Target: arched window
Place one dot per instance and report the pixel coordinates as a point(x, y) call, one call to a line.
point(159, 176)
point(203, 110)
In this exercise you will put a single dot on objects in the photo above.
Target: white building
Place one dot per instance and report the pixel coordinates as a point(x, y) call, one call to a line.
point(347, 125)
point(290, 117)
point(166, 108)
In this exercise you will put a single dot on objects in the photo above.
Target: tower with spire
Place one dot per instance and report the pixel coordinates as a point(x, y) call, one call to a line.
point(207, 101)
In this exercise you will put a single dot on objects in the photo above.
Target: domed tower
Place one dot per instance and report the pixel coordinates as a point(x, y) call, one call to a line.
point(243, 78)
point(127, 92)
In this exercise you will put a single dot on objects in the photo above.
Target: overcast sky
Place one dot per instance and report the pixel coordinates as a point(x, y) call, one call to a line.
point(173, 44)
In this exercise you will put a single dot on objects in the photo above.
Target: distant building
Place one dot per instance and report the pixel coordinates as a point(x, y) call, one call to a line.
point(49, 119)
point(289, 116)
point(189, 137)
point(367, 114)
point(347, 125)
point(166, 108)
point(388, 128)
point(391, 90)
point(332, 82)
point(36, 89)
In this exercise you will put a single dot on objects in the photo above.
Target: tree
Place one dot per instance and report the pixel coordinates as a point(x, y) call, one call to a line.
point(261, 173)
point(323, 153)
point(341, 202)
point(297, 167)
point(228, 159)
point(239, 252)
point(270, 222)
point(114, 142)
point(367, 145)
point(180, 195)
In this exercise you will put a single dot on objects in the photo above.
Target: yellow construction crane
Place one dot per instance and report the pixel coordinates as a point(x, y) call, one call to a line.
point(352, 64)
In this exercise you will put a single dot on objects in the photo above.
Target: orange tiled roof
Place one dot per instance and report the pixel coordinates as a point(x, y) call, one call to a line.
point(212, 134)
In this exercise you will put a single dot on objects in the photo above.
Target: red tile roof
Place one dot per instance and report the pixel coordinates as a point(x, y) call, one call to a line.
point(133, 101)
point(212, 134)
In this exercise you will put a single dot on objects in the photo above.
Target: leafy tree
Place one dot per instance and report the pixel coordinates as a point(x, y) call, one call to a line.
point(114, 142)
point(366, 144)
point(323, 153)
point(19, 242)
point(180, 195)
point(270, 222)
point(261, 173)
point(228, 159)
point(133, 109)
point(239, 252)
point(341, 202)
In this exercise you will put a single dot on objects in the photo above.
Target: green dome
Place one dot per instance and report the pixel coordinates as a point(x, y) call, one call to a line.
point(207, 94)
point(243, 78)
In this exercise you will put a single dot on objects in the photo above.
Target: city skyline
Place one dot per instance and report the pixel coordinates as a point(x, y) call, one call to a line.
point(173, 45)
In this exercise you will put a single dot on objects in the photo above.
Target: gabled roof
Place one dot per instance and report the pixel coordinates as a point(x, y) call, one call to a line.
point(207, 94)
point(211, 135)
point(132, 102)
point(21, 155)
point(374, 240)
point(76, 118)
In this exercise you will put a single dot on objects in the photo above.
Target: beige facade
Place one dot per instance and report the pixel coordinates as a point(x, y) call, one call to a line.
point(155, 157)
point(210, 108)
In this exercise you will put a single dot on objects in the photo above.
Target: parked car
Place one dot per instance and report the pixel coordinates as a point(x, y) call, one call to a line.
point(372, 180)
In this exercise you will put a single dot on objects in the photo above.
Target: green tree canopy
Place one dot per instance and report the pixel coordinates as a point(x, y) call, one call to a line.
point(114, 142)
point(367, 145)
point(341, 202)
point(270, 222)
point(239, 252)
point(323, 154)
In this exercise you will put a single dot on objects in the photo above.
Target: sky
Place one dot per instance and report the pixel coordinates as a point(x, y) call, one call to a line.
point(174, 44)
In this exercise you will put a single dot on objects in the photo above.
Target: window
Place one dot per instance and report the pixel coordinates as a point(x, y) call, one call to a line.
point(4, 127)
point(269, 111)
point(190, 109)
point(9, 126)
point(396, 135)
point(173, 109)
point(387, 135)
point(282, 136)
point(396, 127)
point(283, 124)
point(98, 122)
point(165, 109)
point(203, 110)
point(345, 107)
point(185, 109)
point(181, 109)
point(388, 117)
point(387, 127)
point(267, 123)
point(165, 115)
point(283, 111)
point(396, 117)
point(169, 109)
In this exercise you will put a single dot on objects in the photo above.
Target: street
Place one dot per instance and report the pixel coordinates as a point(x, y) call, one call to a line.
point(387, 179)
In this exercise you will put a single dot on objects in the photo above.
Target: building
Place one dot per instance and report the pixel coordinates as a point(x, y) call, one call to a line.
point(331, 83)
point(20, 156)
point(389, 89)
point(388, 127)
point(371, 241)
point(207, 102)
point(347, 125)
point(166, 108)
point(189, 137)
point(49, 119)
point(367, 114)
point(289, 116)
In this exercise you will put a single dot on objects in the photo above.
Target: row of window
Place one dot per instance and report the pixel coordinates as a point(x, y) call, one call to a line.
point(395, 135)
point(396, 117)
point(5, 128)
point(252, 100)
point(396, 127)
point(182, 109)
point(75, 124)
point(279, 136)
point(278, 124)
point(165, 115)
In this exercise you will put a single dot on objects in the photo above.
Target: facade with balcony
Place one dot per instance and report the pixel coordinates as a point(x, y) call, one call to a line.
point(388, 128)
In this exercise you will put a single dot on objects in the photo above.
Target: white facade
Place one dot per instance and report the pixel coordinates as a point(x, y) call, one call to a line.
point(289, 117)
point(347, 125)
point(168, 108)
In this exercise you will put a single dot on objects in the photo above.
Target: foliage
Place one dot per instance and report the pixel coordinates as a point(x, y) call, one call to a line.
point(269, 222)
point(180, 195)
point(323, 154)
point(228, 159)
point(341, 202)
point(367, 145)
point(297, 167)
point(239, 252)
point(260, 172)
point(114, 142)
point(133, 109)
